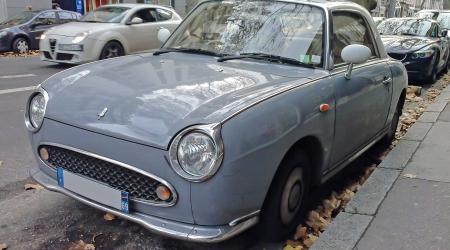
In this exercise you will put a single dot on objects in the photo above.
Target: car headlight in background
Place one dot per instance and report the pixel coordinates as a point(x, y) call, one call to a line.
point(71, 47)
point(43, 36)
point(80, 37)
point(197, 152)
point(3, 33)
point(422, 53)
point(35, 111)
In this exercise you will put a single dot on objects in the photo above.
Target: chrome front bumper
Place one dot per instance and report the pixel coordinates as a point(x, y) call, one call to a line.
point(178, 230)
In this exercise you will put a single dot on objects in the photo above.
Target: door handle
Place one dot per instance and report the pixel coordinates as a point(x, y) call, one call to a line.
point(387, 80)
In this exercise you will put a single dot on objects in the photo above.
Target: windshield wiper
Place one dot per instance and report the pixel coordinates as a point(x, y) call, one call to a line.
point(186, 50)
point(267, 57)
point(408, 34)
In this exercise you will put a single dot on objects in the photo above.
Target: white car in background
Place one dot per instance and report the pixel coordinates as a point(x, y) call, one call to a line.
point(109, 31)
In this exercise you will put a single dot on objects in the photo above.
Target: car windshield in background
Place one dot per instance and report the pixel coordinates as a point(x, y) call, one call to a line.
point(20, 18)
point(442, 18)
point(411, 27)
point(106, 15)
point(286, 30)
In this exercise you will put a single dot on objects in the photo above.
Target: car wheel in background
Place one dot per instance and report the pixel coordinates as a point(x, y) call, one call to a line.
point(285, 201)
point(112, 49)
point(432, 76)
point(20, 45)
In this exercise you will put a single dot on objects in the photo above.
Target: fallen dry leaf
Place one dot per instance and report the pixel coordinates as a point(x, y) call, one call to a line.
point(1, 163)
point(109, 217)
point(300, 233)
point(411, 176)
point(292, 247)
point(81, 245)
point(310, 241)
point(30, 186)
point(3, 246)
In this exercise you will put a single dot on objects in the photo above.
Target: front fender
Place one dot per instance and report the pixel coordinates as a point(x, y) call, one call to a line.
point(106, 37)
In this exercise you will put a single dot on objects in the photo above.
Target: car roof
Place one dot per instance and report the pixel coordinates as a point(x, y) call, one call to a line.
point(135, 5)
point(413, 18)
point(440, 11)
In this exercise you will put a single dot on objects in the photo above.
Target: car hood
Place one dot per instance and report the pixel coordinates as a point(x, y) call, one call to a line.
point(151, 98)
point(404, 44)
point(75, 28)
point(6, 26)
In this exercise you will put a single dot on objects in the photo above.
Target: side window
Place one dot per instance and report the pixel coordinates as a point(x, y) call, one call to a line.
point(349, 28)
point(46, 18)
point(147, 15)
point(65, 17)
point(164, 15)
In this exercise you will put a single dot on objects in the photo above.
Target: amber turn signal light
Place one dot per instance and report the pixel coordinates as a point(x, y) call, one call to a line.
point(163, 193)
point(43, 152)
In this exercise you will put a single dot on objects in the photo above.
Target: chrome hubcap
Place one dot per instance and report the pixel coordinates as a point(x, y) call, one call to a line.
point(22, 46)
point(292, 196)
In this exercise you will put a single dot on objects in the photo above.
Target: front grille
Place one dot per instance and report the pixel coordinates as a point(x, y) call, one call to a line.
point(47, 55)
point(140, 187)
point(397, 56)
point(52, 45)
point(64, 56)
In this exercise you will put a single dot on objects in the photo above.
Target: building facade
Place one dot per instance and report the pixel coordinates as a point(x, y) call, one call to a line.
point(9, 8)
point(404, 8)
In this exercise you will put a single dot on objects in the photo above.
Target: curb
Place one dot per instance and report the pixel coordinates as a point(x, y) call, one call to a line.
point(349, 225)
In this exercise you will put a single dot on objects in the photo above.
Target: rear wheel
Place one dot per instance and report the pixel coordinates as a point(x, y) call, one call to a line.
point(112, 49)
point(390, 136)
point(20, 45)
point(286, 199)
point(432, 76)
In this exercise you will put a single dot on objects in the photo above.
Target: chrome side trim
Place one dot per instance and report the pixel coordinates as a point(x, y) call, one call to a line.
point(140, 171)
point(178, 230)
point(213, 131)
point(244, 218)
point(28, 124)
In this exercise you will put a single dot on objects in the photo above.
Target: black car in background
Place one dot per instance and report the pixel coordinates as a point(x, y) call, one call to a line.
point(419, 43)
point(22, 32)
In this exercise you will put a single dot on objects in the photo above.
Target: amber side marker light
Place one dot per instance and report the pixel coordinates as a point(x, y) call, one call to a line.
point(324, 107)
point(163, 193)
point(43, 152)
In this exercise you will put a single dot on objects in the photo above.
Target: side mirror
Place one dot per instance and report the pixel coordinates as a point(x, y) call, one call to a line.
point(163, 35)
point(136, 20)
point(354, 54)
point(444, 33)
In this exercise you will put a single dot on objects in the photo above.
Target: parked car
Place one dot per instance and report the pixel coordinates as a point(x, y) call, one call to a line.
point(419, 43)
point(378, 20)
point(442, 16)
point(108, 31)
point(22, 31)
point(247, 106)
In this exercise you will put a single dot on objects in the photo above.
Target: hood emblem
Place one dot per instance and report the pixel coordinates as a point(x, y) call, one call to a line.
point(102, 114)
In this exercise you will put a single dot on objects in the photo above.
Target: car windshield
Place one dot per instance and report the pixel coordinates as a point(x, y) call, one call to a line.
point(442, 18)
point(20, 18)
point(411, 27)
point(288, 30)
point(106, 15)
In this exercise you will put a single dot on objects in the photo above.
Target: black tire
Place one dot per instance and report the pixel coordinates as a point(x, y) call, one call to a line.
point(286, 199)
point(20, 45)
point(112, 49)
point(432, 76)
point(390, 136)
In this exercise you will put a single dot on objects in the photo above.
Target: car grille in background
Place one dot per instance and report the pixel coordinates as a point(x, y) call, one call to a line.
point(52, 45)
point(397, 56)
point(140, 187)
point(64, 56)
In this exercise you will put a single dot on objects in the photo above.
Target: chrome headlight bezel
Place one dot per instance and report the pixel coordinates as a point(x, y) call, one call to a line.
point(210, 130)
point(29, 125)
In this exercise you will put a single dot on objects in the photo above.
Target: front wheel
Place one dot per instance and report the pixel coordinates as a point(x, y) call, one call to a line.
point(432, 75)
point(111, 50)
point(20, 45)
point(286, 199)
point(390, 136)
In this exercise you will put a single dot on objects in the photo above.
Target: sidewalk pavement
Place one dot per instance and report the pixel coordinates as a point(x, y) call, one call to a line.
point(405, 203)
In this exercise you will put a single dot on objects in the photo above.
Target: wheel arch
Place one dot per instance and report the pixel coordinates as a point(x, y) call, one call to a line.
point(109, 41)
point(20, 36)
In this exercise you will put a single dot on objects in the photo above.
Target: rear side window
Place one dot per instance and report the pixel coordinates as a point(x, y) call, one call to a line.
point(46, 18)
point(349, 28)
point(164, 15)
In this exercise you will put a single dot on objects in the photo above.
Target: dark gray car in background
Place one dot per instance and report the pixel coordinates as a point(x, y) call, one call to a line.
point(22, 31)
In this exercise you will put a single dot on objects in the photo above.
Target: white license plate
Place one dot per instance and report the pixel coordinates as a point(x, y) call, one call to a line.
point(93, 190)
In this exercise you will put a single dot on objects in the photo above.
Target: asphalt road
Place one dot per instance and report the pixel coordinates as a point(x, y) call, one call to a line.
point(46, 220)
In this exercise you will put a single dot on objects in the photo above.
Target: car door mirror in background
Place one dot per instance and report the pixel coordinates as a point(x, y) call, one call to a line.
point(136, 20)
point(444, 33)
point(354, 54)
point(163, 35)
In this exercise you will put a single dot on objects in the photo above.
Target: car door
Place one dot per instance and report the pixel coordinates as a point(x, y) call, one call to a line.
point(363, 101)
point(443, 45)
point(143, 36)
point(40, 24)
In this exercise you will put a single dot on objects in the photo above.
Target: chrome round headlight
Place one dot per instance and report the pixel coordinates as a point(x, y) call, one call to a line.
point(196, 153)
point(36, 110)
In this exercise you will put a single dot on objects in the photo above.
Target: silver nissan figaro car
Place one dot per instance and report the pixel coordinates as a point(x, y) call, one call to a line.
point(246, 106)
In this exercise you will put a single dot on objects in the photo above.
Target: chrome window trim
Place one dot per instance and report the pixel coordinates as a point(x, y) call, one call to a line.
point(211, 130)
point(121, 164)
point(243, 218)
point(28, 124)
